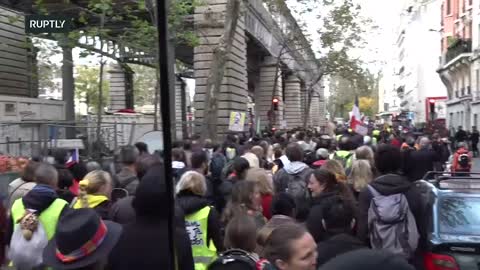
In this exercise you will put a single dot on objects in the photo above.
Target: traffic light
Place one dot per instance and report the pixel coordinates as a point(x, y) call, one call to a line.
point(275, 102)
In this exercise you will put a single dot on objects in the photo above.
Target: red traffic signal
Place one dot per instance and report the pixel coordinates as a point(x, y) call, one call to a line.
point(431, 101)
point(275, 102)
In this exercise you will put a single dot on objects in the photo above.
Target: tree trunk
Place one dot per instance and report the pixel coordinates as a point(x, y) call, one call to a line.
point(100, 93)
point(100, 105)
point(217, 70)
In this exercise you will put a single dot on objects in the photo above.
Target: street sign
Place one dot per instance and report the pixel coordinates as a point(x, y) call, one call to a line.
point(68, 144)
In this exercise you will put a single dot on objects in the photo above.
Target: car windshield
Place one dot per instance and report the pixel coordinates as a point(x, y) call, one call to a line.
point(459, 215)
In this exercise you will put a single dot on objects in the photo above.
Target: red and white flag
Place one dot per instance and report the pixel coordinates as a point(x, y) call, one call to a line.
point(356, 123)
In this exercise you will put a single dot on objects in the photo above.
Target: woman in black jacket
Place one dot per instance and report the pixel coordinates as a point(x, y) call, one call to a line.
point(323, 187)
point(191, 190)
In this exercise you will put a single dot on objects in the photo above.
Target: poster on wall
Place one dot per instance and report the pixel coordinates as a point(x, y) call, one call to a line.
point(237, 121)
point(441, 108)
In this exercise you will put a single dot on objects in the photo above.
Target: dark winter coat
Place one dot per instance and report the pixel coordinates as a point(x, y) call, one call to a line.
point(337, 245)
point(315, 216)
point(418, 163)
point(190, 204)
point(283, 177)
point(142, 245)
point(461, 136)
point(388, 185)
point(122, 211)
point(128, 180)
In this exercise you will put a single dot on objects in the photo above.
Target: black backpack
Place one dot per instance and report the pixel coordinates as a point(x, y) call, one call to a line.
point(237, 259)
point(464, 160)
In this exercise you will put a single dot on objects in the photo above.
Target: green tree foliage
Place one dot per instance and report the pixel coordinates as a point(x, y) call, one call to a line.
point(87, 87)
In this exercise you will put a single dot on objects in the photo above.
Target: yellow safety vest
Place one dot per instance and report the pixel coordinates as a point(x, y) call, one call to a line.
point(49, 217)
point(344, 154)
point(197, 227)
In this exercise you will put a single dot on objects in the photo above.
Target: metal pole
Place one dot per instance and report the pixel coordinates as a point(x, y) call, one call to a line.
point(8, 145)
point(165, 74)
point(115, 132)
point(20, 147)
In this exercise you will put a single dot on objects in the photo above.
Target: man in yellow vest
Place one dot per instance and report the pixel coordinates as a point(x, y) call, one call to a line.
point(41, 206)
point(344, 155)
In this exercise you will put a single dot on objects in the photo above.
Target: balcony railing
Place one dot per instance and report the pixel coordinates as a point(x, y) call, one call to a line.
point(457, 48)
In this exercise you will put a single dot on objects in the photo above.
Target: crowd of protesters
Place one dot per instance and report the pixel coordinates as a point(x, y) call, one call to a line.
point(293, 200)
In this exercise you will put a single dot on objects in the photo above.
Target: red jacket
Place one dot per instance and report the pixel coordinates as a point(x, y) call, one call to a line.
point(266, 204)
point(456, 166)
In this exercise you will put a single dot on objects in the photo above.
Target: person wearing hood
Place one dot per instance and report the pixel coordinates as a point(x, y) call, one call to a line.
point(41, 205)
point(200, 218)
point(141, 245)
point(339, 223)
point(179, 161)
point(296, 173)
point(388, 161)
point(127, 177)
point(324, 188)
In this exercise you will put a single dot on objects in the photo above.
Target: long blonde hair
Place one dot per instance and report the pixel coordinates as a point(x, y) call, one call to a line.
point(91, 184)
point(361, 174)
point(193, 182)
point(261, 178)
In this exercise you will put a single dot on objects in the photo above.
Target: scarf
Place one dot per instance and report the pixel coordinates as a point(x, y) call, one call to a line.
point(93, 201)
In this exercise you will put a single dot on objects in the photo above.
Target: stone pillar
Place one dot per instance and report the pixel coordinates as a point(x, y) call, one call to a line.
point(121, 88)
point(315, 112)
point(209, 24)
point(265, 93)
point(292, 101)
point(180, 107)
point(68, 87)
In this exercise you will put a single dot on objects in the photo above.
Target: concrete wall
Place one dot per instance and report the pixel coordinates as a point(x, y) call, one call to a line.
point(15, 72)
point(459, 113)
point(129, 128)
point(21, 120)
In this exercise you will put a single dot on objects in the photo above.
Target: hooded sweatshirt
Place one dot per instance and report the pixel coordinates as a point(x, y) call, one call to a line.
point(283, 176)
point(390, 184)
point(38, 199)
point(292, 172)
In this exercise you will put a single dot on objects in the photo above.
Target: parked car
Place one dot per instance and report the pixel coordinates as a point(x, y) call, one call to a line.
point(453, 207)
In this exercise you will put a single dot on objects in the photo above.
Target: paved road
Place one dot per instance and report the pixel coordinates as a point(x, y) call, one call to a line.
point(476, 165)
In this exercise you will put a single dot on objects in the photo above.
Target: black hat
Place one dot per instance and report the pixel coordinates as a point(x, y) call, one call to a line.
point(81, 239)
point(366, 259)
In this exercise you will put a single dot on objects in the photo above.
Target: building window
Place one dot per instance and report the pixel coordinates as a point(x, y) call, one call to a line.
point(449, 7)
